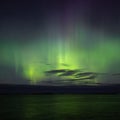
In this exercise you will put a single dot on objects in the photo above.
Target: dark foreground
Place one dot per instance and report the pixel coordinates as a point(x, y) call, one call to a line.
point(60, 107)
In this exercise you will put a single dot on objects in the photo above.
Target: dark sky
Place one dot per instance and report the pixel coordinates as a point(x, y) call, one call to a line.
point(25, 18)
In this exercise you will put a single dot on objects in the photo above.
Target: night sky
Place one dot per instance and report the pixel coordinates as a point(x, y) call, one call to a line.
point(68, 37)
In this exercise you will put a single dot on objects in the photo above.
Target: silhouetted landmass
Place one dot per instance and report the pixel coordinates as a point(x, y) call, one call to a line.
point(75, 89)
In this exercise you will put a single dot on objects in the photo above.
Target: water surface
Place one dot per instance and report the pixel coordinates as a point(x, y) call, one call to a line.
point(60, 107)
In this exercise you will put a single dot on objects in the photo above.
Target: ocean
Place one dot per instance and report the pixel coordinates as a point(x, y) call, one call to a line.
point(60, 107)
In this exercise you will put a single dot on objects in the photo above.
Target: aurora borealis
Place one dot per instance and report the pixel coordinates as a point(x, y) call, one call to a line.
point(41, 36)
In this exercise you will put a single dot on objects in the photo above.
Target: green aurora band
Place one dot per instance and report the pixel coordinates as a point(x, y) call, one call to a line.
point(68, 51)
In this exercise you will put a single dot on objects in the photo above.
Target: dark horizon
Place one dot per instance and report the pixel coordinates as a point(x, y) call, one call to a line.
point(8, 89)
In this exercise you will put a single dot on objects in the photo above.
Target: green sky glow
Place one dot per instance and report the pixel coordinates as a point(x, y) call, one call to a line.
point(33, 59)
